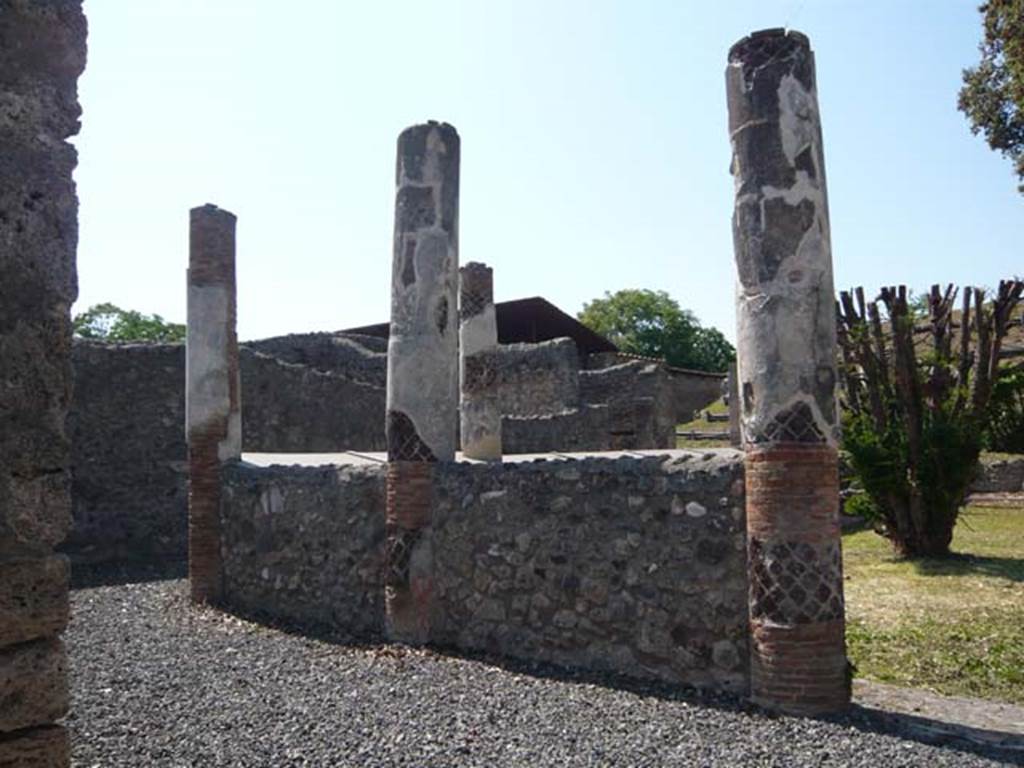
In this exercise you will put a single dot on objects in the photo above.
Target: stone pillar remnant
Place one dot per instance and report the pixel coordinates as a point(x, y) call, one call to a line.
point(479, 406)
point(212, 389)
point(42, 53)
point(787, 373)
point(422, 385)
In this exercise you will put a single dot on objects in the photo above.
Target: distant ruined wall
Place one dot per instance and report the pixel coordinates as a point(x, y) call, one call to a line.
point(128, 440)
point(538, 379)
point(691, 390)
point(289, 408)
point(641, 400)
point(629, 565)
point(354, 356)
point(42, 53)
point(586, 428)
point(128, 454)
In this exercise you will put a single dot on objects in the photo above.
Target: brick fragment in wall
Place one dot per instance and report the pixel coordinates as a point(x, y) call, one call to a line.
point(33, 684)
point(43, 747)
point(33, 598)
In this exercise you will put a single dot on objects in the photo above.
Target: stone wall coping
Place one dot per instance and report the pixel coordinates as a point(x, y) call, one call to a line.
point(364, 458)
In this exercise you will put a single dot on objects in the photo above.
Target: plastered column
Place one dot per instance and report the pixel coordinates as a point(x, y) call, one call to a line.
point(422, 384)
point(787, 375)
point(479, 405)
point(212, 389)
point(42, 53)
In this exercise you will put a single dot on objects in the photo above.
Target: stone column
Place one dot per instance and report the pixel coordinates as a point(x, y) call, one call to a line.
point(42, 53)
point(212, 390)
point(787, 372)
point(479, 407)
point(422, 385)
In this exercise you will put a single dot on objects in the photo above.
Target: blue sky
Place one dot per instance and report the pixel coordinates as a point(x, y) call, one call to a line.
point(594, 147)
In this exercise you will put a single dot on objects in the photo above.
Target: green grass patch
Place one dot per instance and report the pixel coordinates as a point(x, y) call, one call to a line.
point(700, 424)
point(955, 626)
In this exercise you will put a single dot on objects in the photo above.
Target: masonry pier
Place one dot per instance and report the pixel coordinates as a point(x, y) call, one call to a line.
point(212, 390)
point(422, 383)
point(479, 402)
point(787, 375)
point(41, 57)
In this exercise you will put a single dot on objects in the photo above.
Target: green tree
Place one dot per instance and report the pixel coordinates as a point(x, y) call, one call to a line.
point(107, 322)
point(651, 323)
point(915, 409)
point(993, 92)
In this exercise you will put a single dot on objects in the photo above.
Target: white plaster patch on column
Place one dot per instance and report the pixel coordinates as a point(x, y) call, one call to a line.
point(477, 333)
point(207, 393)
point(797, 117)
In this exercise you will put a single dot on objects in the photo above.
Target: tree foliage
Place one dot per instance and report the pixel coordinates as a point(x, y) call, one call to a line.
point(993, 92)
point(651, 323)
point(915, 411)
point(1005, 428)
point(107, 322)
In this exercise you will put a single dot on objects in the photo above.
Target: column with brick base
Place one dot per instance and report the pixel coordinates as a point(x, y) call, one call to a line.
point(42, 53)
point(479, 407)
point(787, 376)
point(212, 397)
point(422, 384)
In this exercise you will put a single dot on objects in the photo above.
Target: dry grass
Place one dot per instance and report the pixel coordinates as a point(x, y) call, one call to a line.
point(699, 424)
point(955, 626)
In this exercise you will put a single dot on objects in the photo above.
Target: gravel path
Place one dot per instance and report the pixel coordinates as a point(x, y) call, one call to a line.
point(156, 683)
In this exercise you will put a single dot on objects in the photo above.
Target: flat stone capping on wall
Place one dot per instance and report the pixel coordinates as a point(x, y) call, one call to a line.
point(630, 562)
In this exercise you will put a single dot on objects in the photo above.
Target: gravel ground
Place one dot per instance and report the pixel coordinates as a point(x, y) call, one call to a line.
point(157, 683)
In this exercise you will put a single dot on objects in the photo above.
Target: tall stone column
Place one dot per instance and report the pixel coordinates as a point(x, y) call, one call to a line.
point(42, 53)
point(422, 385)
point(787, 372)
point(479, 407)
point(212, 390)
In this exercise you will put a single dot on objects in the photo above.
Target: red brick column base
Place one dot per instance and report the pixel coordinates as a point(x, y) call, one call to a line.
point(205, 574)
point(409, 562)
point(797, 624)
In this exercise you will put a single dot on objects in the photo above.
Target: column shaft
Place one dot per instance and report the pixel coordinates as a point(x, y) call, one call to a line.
point(787, 375)
point(212, 390)
point(422, 384)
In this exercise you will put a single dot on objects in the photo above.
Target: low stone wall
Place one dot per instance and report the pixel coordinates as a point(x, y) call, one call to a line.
point(305, 545)
point(538, 379)
point(628, 565)
point(999, 473)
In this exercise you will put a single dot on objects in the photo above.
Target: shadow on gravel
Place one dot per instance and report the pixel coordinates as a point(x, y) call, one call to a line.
point(994, 745)
point(1007, 748)
point(84, 576)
